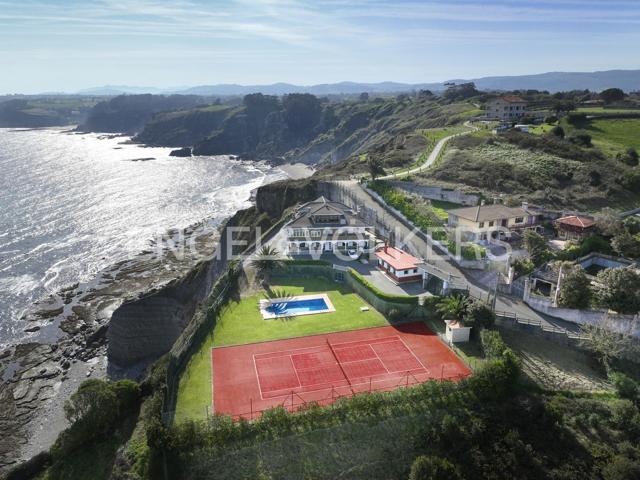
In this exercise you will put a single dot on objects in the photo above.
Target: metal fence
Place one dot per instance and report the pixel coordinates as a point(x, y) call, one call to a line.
point(545, 327)
point(297, 401)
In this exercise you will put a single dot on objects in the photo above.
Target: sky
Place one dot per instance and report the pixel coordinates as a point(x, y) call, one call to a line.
point(68, 45)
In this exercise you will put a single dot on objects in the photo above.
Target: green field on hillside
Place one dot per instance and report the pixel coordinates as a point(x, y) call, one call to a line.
point(612, 136)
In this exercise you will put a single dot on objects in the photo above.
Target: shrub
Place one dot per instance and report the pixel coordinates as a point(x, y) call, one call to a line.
point(550, 119)
point(625, 386)
point(405, 205)
point(492, 344)
point(558, 131)
point(433, 468)
point(577, 118)
point(467, 252)
point(95, 410)
point(575, 290)
point(479, 314)
point(619, 290)
point(621, 468)
point(537, 247)
point(581, 139)
point(630, 181)
point(522, 266)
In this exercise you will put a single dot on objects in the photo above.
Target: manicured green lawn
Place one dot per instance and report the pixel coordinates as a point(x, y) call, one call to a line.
point(440, 208)
point(242, 323)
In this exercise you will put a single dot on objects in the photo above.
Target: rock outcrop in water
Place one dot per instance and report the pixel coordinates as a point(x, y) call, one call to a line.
point(181, 152)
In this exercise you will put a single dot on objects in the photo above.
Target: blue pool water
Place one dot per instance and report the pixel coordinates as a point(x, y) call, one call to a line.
point(297, 307)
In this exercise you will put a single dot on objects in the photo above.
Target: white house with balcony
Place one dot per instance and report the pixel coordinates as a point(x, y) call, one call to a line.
point(323, 226)
point(506, 108)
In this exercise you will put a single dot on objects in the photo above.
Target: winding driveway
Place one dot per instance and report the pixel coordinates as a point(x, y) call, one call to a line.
point(432, 156)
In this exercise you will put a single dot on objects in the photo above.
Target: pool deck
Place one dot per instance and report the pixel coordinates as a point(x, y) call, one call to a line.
point(266, 302)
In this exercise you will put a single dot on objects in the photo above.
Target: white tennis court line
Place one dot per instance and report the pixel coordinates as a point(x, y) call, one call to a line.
point(371, 382)
point(390, 339)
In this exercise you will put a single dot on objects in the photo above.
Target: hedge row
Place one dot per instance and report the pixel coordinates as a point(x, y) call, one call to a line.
point(382, 295)
point(306, 261)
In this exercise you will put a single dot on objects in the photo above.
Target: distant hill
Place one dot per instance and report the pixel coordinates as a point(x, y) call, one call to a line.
point(628, 80)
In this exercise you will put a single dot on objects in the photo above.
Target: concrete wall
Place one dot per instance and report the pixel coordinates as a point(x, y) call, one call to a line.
point(627, 324)
point(438, 193)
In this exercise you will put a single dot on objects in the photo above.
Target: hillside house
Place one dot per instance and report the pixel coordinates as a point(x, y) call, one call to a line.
point(506, 108)
point(575, 227)
point(484, 219)
point(323, 226)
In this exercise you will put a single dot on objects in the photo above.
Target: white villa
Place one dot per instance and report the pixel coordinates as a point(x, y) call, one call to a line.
point(506, 108)
point(323, 226)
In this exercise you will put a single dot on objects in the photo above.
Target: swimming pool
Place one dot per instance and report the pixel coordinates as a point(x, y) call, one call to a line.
point(290, 307)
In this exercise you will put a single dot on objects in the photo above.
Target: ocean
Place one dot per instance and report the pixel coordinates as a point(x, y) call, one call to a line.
point(73, 204)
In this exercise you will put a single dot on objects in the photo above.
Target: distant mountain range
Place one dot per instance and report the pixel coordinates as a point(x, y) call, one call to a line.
point(627, 80)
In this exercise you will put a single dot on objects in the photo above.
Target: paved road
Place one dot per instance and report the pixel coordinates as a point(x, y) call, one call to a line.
point(432, 156)
point(479, 282)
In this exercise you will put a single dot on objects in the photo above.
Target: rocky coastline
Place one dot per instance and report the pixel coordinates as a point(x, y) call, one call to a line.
point(71, 336)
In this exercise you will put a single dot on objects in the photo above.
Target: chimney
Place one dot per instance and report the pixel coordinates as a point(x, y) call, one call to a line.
point(525, 206)
point(385, 246)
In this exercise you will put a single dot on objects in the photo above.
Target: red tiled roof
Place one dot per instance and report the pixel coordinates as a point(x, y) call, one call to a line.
point(513, 99)
point(576, 221)
point(397, 258)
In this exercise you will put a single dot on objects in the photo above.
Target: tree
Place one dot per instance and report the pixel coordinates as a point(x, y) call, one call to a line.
point(266, 261)
point(364, 97)
point(376, 166)
point(618, 289)
point(608, 222)
point(575, 288)
point(632, 224)
point(537, 247)
point(522, 266)
point(626, 244)
point(611, 95)
point(94, 403)
point(433, 468)
point(453, 307)
point(479, 314)
point(558, 131)
point(563, 106)
point(604, 342)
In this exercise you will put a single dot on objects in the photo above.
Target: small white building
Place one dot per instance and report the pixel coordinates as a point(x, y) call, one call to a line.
point(506, 108)
point(456, 332)
point(323, 226)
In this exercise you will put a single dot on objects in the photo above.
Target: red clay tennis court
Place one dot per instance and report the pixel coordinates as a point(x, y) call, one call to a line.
point(248, 379)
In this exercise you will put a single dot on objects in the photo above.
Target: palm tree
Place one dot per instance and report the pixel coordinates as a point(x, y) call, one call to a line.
point(453, 307)
point(266, 261)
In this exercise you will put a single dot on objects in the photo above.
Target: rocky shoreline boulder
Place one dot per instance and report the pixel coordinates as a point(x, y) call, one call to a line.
point(181, 152)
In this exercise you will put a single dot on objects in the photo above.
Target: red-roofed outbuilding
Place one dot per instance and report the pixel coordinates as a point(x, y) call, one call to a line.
point(575, 227)
point(399, 265)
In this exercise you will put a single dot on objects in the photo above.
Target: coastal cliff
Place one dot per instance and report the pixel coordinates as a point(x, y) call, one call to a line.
point(119, 323)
